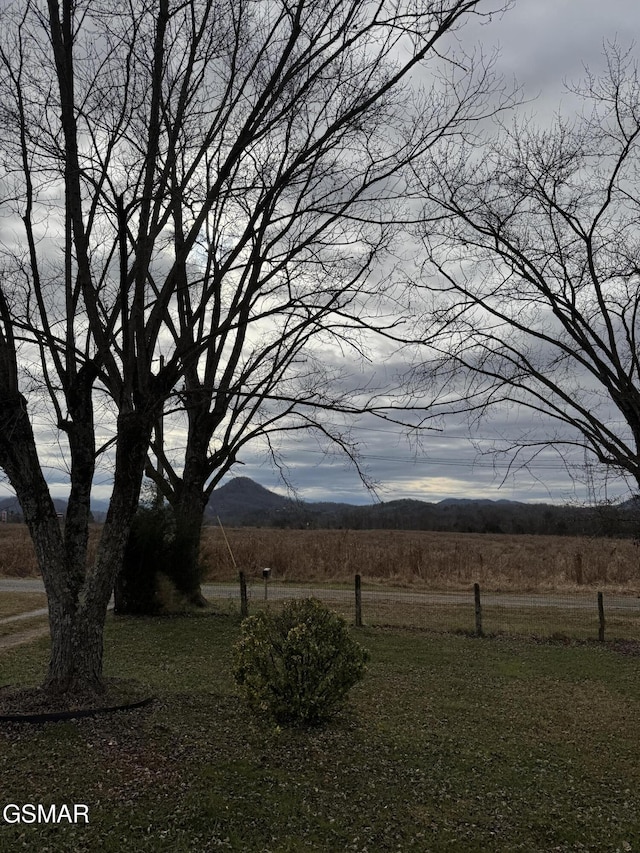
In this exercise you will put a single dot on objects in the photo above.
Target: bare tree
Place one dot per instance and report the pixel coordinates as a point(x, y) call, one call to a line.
point(81, 131)
point(286, 268)
point(532, 247)
point(175, 172)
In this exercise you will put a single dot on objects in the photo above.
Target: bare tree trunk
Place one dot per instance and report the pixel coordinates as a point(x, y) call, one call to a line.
point(188, 500)
point(188, 516)
point(77, 642)
point(80, 430)
point(77, 611)
point(75, 666)
point(19, 458)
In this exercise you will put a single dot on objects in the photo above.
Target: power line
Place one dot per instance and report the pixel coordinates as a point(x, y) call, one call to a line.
point(456, 463)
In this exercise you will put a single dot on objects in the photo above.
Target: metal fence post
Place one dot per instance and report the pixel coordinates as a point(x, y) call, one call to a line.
point(358, 602)
point(476, 596)
point(244, 601)
point(601, 617)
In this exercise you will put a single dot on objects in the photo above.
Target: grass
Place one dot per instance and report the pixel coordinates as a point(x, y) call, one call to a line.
point(573, 615)
point(12, 603)
point(424, 560)
point(450, 744)
point(22, 625)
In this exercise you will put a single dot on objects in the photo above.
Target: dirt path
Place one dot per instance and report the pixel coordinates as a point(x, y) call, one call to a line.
point(563, 600)
point(23, 637)
point(18, 617)
point(628, 605)
point(29, 634)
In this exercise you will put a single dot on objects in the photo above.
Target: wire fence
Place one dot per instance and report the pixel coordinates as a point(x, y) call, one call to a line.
point(594, 615)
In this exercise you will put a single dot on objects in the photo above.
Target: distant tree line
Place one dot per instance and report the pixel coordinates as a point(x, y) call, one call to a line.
point(462, 517)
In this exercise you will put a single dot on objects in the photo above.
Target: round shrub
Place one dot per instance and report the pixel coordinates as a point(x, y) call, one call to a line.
point(297, 665)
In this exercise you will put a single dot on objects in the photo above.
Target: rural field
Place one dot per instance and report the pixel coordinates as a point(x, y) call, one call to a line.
point(397, 558)
point(535, 585)
point(425, 559)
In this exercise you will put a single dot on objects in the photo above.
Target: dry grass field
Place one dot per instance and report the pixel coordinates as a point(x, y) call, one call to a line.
point(427, 560)
point(398, 558)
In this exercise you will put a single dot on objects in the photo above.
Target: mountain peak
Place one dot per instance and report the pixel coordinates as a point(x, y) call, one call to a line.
point(243, 484)
point(241, 496)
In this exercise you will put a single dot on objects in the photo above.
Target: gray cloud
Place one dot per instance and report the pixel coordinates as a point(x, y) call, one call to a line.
point(542, 43)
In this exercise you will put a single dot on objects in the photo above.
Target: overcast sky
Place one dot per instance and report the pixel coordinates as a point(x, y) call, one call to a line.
point(542, 43)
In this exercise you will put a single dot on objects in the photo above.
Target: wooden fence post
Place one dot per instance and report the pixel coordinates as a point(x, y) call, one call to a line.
point(476, 596)
point(358, 602)
point(244, 602)
point(601, 617)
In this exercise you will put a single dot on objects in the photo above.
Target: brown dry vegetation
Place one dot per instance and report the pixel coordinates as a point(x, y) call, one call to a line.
point(17, 557)
point(425, 559)
point(416, 559)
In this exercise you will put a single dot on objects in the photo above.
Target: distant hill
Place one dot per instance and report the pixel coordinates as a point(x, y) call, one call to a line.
point(631, 504)
point(480, 502)
point(243, 502)
point(241, 497)
point(11, 505)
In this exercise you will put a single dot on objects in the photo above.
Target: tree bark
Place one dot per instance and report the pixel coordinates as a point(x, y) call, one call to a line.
point(77, 643)
point(19, 458)
point(77, 611)
point(188, 516)
point(188, 502)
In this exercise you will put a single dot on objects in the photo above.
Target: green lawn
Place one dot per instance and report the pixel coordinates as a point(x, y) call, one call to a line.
point(12, 603)
point(450, 744)
point(571, 619)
